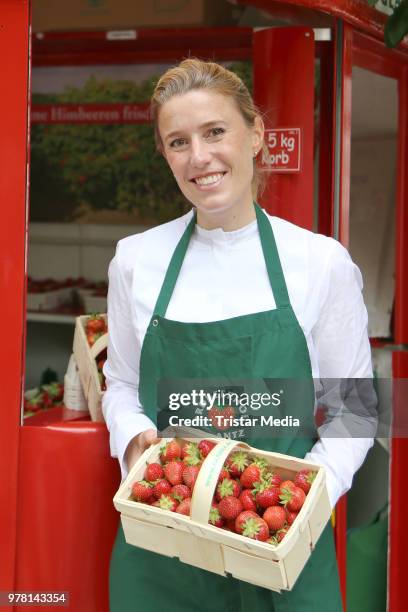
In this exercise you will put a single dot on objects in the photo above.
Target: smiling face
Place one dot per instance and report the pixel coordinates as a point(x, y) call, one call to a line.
point(210, 149)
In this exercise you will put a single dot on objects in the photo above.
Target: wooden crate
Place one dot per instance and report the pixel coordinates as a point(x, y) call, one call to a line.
point(85, 357)
point(193, 540)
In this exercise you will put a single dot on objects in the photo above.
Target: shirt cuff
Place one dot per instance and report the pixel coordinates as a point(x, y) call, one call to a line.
point(341, 458)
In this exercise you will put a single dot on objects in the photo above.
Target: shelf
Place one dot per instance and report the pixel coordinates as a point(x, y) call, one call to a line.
point(50, 317)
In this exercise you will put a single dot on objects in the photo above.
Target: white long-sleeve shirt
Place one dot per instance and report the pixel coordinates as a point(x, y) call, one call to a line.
point(224, 276)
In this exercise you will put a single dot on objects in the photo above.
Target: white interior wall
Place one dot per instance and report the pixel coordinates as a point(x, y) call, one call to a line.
point(61, 250)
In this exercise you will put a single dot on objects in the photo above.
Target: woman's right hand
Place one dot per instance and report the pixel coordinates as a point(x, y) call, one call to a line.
point(138, 445)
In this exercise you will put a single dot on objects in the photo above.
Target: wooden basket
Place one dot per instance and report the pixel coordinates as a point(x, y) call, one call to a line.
point(193, 540)
point(85, 357)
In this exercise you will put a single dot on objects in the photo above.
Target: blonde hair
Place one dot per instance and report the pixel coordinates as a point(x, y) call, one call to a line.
point(193, 74)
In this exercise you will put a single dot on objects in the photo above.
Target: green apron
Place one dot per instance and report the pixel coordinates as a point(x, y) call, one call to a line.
point(264, 345)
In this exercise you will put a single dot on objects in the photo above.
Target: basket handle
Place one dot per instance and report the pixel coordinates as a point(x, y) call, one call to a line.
point(99, 345)
point(207, 479)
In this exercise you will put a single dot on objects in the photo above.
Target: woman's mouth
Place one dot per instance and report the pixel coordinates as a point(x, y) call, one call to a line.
point(209, 180)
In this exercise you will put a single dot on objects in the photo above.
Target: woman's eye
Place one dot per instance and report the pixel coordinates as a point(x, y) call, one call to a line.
point(216, 131)
point(177, 143)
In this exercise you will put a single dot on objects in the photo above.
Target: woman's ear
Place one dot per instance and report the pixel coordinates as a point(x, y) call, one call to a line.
point(258, 133)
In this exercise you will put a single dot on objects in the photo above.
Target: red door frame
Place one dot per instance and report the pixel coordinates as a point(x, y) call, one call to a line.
point(14, 59)
point(356, 47)
point(366, 52)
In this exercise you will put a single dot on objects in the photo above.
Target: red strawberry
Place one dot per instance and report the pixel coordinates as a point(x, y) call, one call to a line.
point(170, 451)
point(229, 507)
point(184, 506)
point(274, 517)
point(250, 476)
point(242, 517)
point(274, 479)
point(180, 492)
point(228, 487)
point(205, 446)
point(162, 487)
point(141, 491)
point(230, 525)
point(166, 502)
point(173, 471)
point(287, 484)
point(279, 535)
point(236, 463)
point(255, 528)
point(215, 516)
point(189, 475)
point(293, 499)
point(247, 499)
point(223, 474)
point(304, 479)
point(267, 496)
point(290, 516)
point(153, 471)
point(190, 453)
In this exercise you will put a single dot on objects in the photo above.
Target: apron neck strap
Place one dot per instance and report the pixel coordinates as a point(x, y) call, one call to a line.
point(272, 261)
point(173, 270)
point(270, 252)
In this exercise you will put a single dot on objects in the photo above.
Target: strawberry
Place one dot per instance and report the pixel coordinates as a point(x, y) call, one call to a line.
point(170, 451)
point(153, 471)
point(141, 491)
point(247, 500)
point(304, 479)
point(274, 517)
point(93, 337)
point(279, 535)
point(190, 453)
point(261, 463)
point(292, 499)
point(223, 474)
point(189, 475)
point(95, 324)
point(180, 492)
point(228, 487)
point(242, 517)
point(166, 502)
point(255, 527)
point(236, 463)
point(267, 496)
point(274, 479)
point(205, 446)
point(162, 487)
point(290, 516)
point(229, 507)
point(184, 506)
point(215, 517)
point(173, 471)
point(287, 484)
point(230, 525)
point(250, 476)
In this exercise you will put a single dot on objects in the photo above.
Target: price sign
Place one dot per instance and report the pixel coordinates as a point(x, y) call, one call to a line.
point(283, 150)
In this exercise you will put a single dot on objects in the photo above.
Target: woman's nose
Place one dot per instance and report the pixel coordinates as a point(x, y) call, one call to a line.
point(199, 153)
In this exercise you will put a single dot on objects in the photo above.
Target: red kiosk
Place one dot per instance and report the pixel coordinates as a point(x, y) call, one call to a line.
point(57, 479)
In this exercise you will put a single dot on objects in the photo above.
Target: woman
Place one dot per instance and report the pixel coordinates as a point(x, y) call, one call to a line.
point(226, 290)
